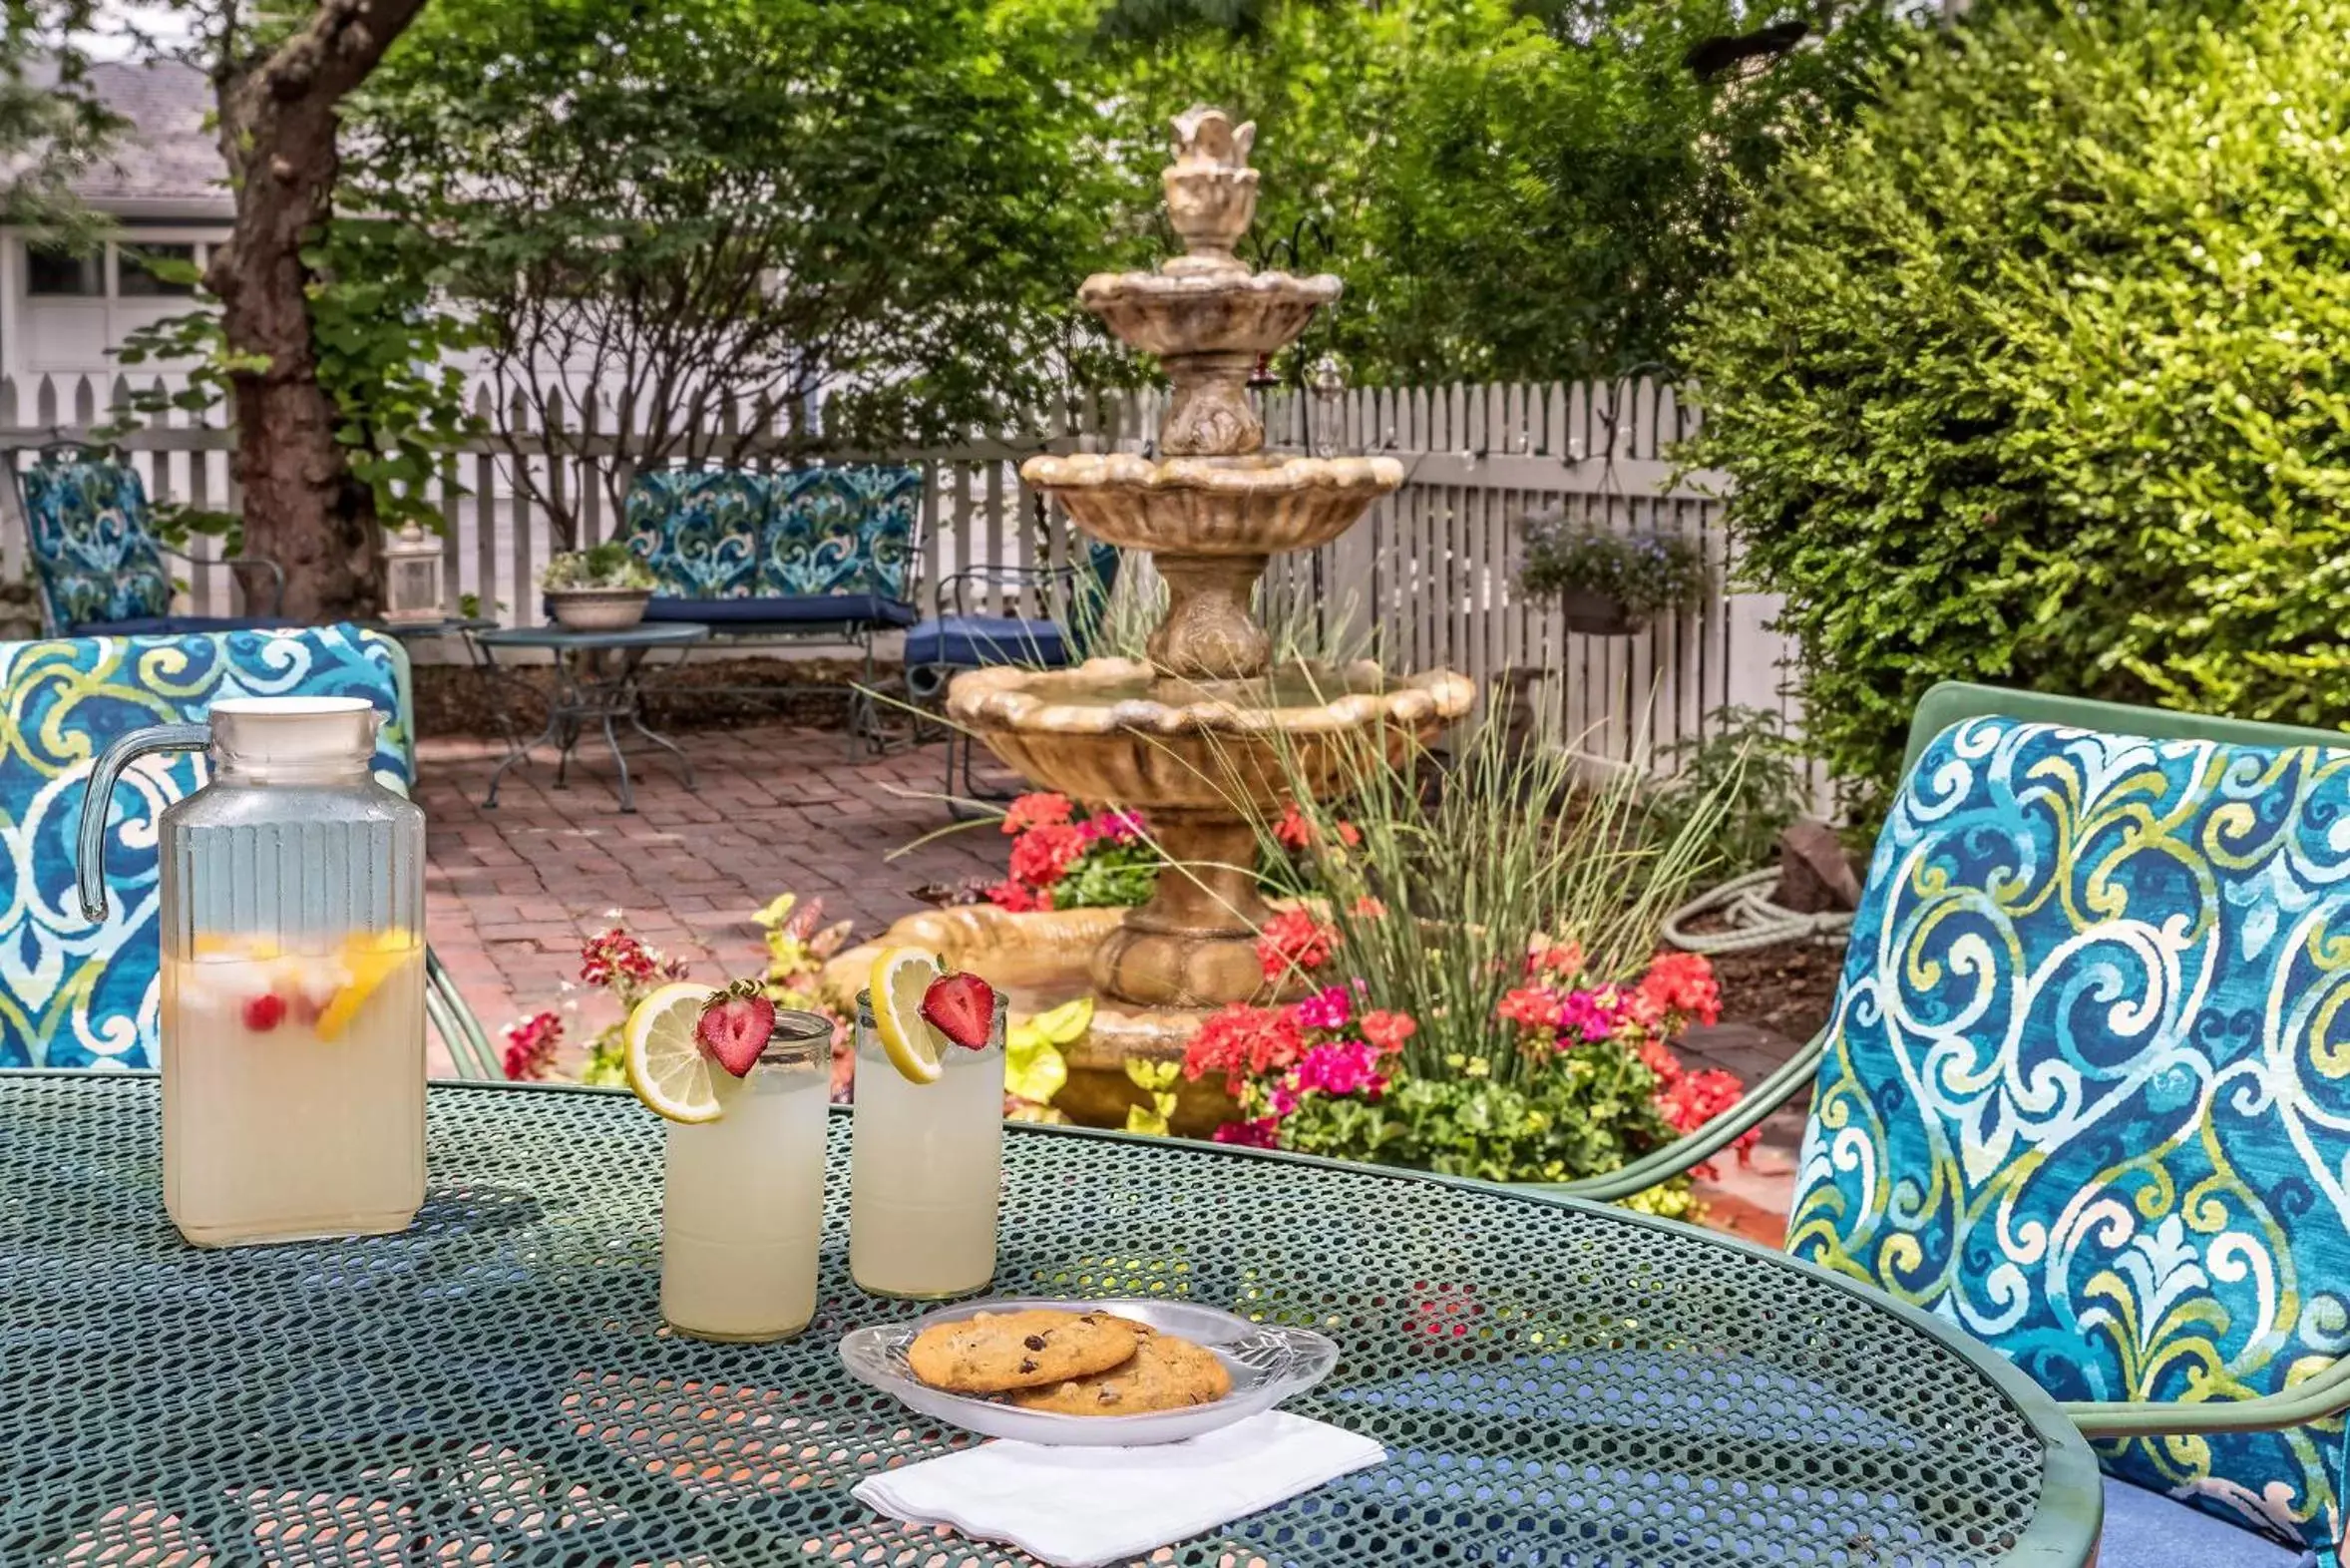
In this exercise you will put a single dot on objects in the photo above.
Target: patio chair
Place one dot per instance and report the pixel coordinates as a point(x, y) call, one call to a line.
point(74, 993)
point(955, 639)
point(100, 568)
point(815, 556)
point(2086, 1093)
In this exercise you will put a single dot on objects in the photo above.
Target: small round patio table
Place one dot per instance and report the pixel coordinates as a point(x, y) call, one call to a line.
point(588, 690)
point(1556, 1383)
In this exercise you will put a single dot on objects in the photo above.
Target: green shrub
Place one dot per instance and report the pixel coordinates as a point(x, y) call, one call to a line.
point(2039, 376)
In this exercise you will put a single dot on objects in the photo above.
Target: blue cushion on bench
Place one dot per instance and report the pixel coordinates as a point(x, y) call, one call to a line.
point(92, 554)
point(978, 641)
point(2144, 1529)
point(724, 615)
point(176, 626)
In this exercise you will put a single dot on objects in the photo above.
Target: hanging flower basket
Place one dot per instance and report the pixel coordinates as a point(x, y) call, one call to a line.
point(1608, 584)
point(1591, 614)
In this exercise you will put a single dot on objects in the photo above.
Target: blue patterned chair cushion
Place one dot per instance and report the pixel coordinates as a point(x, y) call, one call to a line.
point(86, 521)
point(74, 993)
point(698, 529)
point(2087, 1091)
point(841, 530)
point(983, 642)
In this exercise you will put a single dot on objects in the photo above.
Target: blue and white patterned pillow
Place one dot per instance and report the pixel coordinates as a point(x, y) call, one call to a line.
point(847, 530)
point(78, 993)
point(92, 553)
point(2087, 1092)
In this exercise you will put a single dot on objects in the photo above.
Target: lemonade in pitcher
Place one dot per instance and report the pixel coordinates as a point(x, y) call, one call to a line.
point(266, 1052)
point(289, 909)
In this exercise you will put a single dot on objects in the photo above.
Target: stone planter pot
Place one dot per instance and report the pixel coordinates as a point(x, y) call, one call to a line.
point(1590, 614)
point(598, 609)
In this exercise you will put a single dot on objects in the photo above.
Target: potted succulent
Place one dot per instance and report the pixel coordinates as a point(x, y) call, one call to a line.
point(1609, 584)
point(602, 588)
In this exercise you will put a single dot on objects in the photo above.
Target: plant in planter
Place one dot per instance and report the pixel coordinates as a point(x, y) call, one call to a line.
point(1609, 584)
point(602, 588)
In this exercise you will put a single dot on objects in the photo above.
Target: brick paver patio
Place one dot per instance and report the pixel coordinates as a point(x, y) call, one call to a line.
point(512, 891)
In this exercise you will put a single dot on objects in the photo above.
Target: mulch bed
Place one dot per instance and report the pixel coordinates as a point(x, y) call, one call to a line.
point(455, 700)
point(1788, 989)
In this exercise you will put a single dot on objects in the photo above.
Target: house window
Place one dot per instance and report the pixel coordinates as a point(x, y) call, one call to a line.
point(54, 273)
point(136, 273)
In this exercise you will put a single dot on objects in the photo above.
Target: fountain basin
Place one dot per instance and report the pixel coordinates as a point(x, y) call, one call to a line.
point(1255, 507)
point(1196, 758)
point(1219, 312)
point(1040, 960)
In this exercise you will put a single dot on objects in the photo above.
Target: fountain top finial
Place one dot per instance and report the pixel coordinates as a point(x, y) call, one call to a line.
point(1211, 192)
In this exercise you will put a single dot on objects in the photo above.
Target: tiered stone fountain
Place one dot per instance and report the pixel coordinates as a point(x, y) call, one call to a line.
point(1197, 733)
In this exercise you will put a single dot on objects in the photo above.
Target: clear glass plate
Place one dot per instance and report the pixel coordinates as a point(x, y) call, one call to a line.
point(1268, 1365)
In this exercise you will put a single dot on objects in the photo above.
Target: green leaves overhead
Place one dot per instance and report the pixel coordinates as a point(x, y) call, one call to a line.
point(2040, 377)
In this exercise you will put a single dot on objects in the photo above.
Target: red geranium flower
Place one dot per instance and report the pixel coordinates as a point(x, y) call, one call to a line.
point(1042, 809)
point(1044, 855)
point(1294, 938)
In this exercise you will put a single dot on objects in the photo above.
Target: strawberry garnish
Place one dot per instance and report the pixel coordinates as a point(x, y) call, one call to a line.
point(265, 1013)
point(735, 1026)
point(962, 1007)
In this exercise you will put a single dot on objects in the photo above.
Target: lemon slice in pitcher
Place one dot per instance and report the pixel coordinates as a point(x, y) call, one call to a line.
point(666, 1064)
point(896, 985)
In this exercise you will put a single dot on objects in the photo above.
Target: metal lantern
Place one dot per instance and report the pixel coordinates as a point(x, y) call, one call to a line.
point(412, 578)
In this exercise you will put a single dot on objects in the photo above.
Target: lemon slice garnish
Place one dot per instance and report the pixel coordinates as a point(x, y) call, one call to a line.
point(665, 1062)
point(896, 985)
point(373, 959)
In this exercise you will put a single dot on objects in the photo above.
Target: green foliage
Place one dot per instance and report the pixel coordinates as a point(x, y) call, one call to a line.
point(1109, 876)
point(1437, 903)
point(1646, 574)
point(611, 564)
point(1592, 1111)
point(1507, 194)
point(868, 200)
point(378, 341)
point(2040, 377)
point(1749, 772)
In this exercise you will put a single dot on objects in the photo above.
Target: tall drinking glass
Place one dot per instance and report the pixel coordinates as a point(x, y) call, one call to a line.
point(742, 1201)
point(927, 1169)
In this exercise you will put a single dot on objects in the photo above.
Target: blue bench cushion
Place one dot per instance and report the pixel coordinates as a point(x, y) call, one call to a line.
point(93, 556)
point(979, 642)
point(74, 993)
point(841, 530)
point(175, 625)
point(784, 610)
point(2086, 1089)
point(2147, 1530)
point(698, 529)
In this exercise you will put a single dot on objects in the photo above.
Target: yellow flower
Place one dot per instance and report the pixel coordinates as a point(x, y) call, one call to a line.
point(1455, 1061)
point(1478, 1067)
point(778, 912)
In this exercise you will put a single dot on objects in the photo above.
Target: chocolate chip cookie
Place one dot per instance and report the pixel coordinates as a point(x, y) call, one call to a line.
point(1165, 1373)
point(989, 1353)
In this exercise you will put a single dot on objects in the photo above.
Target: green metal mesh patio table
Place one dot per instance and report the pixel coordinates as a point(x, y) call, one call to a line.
point(1555, 1383)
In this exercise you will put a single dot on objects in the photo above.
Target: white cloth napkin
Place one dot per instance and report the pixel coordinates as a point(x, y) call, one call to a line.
point(1081, 1507)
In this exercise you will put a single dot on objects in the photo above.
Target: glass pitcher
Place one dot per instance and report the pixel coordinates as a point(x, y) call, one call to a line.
point(291, 921)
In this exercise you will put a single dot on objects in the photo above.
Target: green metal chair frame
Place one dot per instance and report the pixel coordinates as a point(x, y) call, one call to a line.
point(1952, 702)
point(460, 1030)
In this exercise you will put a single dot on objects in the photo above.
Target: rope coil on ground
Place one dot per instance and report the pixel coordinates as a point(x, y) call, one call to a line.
point(1751, 920)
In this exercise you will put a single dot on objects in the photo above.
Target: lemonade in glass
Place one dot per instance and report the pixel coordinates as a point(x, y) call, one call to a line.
point(926, 1170)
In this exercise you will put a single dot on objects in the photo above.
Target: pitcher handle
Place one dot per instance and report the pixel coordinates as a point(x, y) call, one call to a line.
point(90, 867)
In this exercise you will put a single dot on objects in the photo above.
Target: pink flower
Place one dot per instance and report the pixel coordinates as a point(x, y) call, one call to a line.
point(1349, 1067)
point(1369, 908)
point(1349, 835)
point(1294, 938)
point(1037, 810)
point(1116, 827)
point(1387, 1031)
point(1586, 1015)
point(529, 1047)
point(614, 956)
point(1328, 1009)
point(1044, 855)
point(1262, 1133)
point(1293, 830)
point(1529, 1007)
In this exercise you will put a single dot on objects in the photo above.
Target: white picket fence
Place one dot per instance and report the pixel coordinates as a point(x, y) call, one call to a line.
point(1428, 579)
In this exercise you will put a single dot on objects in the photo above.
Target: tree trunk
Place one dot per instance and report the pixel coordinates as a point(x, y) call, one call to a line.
point(303, 507)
